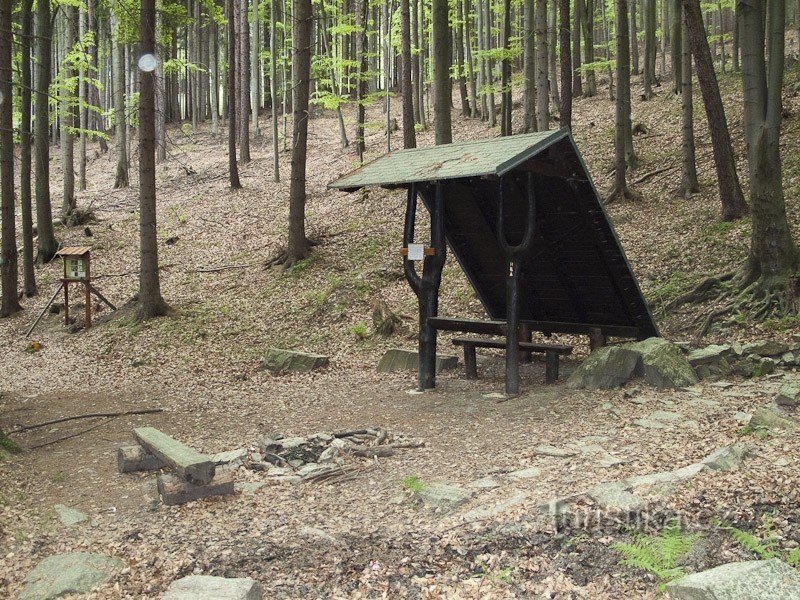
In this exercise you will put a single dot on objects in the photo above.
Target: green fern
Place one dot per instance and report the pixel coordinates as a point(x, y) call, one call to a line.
point(750, 542)
point(659, 554)
point(793, 558)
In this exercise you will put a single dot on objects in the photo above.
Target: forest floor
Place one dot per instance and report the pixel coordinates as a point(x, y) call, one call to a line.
point(201, 366)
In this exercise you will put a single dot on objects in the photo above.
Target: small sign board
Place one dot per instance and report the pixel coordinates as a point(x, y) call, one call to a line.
point(75, 268)
point(416, 251)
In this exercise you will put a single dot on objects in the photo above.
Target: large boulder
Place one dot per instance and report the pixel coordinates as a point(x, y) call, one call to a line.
point(76, 573)
point(606, 367)
point(709, 355)
point(398, 359)
point(202, 587)
point(663, 363)
point(278, 360)
point(753, 580)
point(789, 395)
point(771, 417)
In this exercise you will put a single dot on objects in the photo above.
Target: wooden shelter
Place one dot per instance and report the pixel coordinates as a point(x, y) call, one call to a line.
point(525, 222)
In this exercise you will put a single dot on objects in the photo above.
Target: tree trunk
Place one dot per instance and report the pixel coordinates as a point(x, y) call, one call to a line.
point(634, 36)
point(255, 72)
point(649, 48)
point(566, 65)
point(415, 62)
point(244, 98)
point(689, 183)
point(677, 47)
point(409, 133)
point(462, 83)
point(441, 72)
point(577, 80)
point(29, 285)
point(361, 86)
point(82, 103)
point(44, 211)
point(505, 75)
point(233, 166)
point(67, 117)
point(588, 46)
point(120, 141)
point(273, 91)
point(213, 67)
point(473, 88)
point(298, 247)
point(96, 121)
point(542, 87)
point(529, 46)
point(552, 43)
point(733, 203)
point(773, 253)
point(8, 253)
point(151, 304)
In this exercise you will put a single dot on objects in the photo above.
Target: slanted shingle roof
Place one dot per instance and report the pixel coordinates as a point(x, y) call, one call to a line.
point(475, 158)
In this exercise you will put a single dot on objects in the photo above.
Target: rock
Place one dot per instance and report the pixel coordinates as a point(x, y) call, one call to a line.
point(279, 471)
point(247, 487)
point(398, 359)
point(320, 535)
point(746, 366)
point(664, 415)
point(752, 580)
point(277, 360)
point(648, 424)
point(742, 417)
point(69, 516)
point(764, 366)
point(231, 456)
point(547, 450)
point(771, 418)
point(135, 458)
point(487, 511)
point(668, 478)
point(782, 462)
point(484, 484)
point(202, 587)
point(729, 458)
point(663, 364)
point(174, 490)
point(313, 469)
point(445, 496)
point(615, 496)
point(766, 348)
point(330, 454)
point(607, 406)
point(76, 573)
point(528, 473)
point(606, 367)
point(708, 355)
point(789, 395)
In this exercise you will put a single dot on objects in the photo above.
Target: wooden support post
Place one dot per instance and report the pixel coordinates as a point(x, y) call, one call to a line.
point(470, 361)
point(66, 303)
point(87, 322)
point(551, 366)
point(597, 339)
point(526, 335)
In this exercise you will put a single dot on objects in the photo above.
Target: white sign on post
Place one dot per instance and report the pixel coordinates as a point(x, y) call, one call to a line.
point(416, 251)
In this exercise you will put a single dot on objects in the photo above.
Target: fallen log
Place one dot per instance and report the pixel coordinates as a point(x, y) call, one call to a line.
point(187, 463)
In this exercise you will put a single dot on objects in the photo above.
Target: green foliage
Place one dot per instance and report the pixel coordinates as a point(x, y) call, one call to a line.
point(678, 283)
point(413, 484)
point(360, 330)
point(659, 554)
point(766, 546)
point(8, 445)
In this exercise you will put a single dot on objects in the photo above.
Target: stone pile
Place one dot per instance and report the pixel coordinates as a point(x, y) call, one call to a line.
point(323, 456)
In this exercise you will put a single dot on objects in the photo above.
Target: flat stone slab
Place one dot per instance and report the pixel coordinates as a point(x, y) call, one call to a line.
point(248, 487)
point(487, 511)
point(70, 516)
point(76, 573)
point(320, 535)
point(649, 424)
point(484, 484)
point(278, 360)
point(399, 359)
point(615, 496)
point(665, 477)
point(729, 458)
point(766, 348)
point(753, 580)
point(547, 450)
point(443, 495)
point(204, 587)
point(708, 355)
point(231, 456)
point(527, 473)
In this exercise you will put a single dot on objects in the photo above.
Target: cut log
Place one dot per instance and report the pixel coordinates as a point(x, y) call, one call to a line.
point(176, 491)
point(187, 463)
point(372, 451)
point(135, 458)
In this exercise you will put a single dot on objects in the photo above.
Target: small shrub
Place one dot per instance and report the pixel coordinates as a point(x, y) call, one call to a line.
point(360, 330)
point(413, 484)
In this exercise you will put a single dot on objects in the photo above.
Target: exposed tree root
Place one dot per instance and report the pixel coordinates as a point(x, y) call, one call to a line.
point(286, 260)
point(622, 194)
point(744, 293)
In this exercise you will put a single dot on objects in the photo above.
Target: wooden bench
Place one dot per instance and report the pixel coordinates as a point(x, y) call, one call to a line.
point(552, 353)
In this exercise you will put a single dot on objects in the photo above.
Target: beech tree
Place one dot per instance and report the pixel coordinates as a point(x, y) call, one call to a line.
point(25, 157)
point(441, 71)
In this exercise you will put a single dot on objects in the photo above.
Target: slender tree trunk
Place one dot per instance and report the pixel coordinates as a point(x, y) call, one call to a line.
point(577, 81)
point(68, 117)
point(773, 252)
point(689, 183)
point(44, 212)
point(416, 73)
point(244, 98)
point(473, 88)
point(566, 65)
point(233, 166)
point(634, 39)
point(462, 83)
point(255, 72)
point(96, 121)
point(607, 44)
point(273, 82)
point(26, 201)
point(489, 63)
point(151, 304)
point(588, 46)
point(623, 106)
point(409, 133)
point(542, 87)
point(362, 90)
point(82, 103)
point(735, 51)
point(298, 247)
point(529, 48)
point(733, 202)
point(120, 141)
point(8, 252)
point(677, 47)
point(213, 66)
point(505, 77)
point(441, 71)
point(552, 42)
point(649, 48)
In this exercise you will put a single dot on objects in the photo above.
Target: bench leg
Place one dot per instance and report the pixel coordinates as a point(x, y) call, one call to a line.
point(526, 335)
point(470, 362)
point(551, 367)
